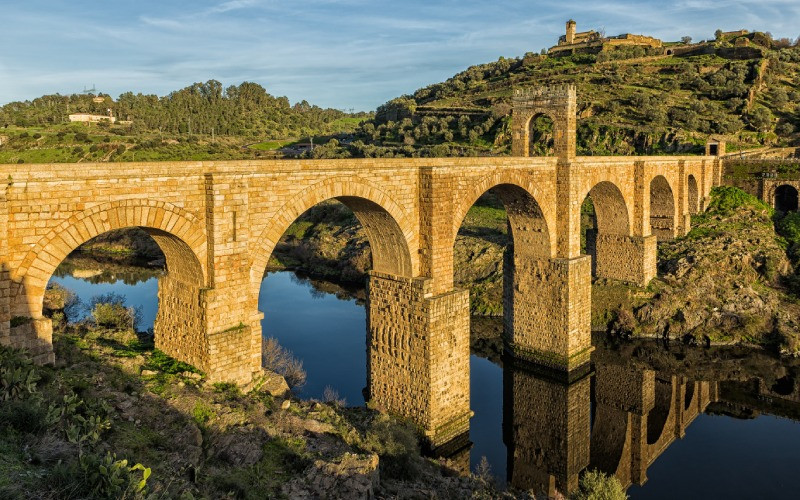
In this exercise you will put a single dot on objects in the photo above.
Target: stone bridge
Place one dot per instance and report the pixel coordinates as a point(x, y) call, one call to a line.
point(218, 222)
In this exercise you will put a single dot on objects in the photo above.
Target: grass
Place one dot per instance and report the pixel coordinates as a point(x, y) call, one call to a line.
point(272, 145)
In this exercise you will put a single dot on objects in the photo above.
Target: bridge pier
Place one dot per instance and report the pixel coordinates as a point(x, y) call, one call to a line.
point(625, 258)
point(547, 310)
point(418, 354)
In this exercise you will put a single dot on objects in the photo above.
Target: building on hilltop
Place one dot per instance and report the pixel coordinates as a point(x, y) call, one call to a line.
point(591, 42)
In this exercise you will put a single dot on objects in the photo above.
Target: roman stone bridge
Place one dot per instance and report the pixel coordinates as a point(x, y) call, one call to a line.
point(218, 222)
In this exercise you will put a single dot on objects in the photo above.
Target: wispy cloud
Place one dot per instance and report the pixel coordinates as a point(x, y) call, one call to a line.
point(338, 53)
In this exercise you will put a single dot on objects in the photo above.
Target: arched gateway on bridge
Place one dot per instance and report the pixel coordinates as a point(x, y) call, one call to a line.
point(217, 223)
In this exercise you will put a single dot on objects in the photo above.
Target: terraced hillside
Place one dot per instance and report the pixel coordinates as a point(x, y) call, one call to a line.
point(630, 102)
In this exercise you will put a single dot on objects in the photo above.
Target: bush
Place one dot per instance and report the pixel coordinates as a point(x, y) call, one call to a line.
point(276, 358)
point(109, 310)
point(725, 199)
point(594, 485)
point(108, 477)
point(18, 375)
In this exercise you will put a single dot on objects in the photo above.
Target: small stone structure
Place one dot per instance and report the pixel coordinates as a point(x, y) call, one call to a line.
point(218, 222)
point(90, 118)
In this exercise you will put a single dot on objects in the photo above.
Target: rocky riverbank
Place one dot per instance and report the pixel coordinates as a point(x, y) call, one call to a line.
point(725, 282)
point(112, 397)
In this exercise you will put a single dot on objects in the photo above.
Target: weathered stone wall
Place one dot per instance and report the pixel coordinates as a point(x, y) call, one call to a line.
point(179, 328)
point(625, 258)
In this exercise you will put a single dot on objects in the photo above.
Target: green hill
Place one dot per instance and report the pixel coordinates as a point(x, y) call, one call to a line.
point(200, 122)
point(631, 100)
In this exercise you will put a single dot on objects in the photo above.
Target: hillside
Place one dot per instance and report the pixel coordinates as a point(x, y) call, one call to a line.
point(200, 122)
point(631, 100)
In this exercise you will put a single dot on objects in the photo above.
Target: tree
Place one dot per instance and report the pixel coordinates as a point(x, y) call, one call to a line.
point(760, 119)
point(718, 35)
point(686, 40)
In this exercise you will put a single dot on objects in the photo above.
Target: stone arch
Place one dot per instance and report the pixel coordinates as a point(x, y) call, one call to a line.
point(662, 208)
point(179, 233)
point(606, 239)
point(785, 198)
point(389, 230)
point(528, 222)
point(610, 209)
point(541, 134)
point(693, 194)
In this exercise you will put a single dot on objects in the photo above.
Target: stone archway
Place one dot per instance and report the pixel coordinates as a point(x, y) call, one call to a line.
point(179, 233)
point(693, 194)
point(180, 321)
point(390, 232)
point(662, 209)
point(607, 242)
point(559, 103)
point(785, 198)
point(541, 135)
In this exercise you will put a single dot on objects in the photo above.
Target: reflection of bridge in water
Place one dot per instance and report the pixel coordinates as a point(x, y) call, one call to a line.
point(217, 224)
point(618, 419)
point(552, 435)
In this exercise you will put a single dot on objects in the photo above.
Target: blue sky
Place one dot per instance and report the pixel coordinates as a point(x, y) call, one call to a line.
point(333, 53)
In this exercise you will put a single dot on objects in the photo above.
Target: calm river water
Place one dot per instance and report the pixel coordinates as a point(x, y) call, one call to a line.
point(703, 439)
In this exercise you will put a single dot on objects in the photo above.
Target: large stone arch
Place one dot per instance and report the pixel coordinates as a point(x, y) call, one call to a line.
point(528, 217)
point(389, 229)
point(663, 206)
point(613, 216)
point(179, 233)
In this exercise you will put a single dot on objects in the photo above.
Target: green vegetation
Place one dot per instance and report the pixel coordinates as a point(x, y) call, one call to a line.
point(631, 101)
point(594, 485)
point(200, 122)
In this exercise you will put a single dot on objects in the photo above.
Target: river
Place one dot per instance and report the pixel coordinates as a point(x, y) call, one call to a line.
point(734, 437)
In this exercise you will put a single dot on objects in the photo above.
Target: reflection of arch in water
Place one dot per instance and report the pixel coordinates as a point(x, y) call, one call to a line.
point(658, 416)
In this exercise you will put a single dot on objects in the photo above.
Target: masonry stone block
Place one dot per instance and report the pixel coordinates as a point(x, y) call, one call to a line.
point(418, 351)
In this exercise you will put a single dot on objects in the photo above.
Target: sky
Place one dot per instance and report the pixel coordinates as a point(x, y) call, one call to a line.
point(345, 54)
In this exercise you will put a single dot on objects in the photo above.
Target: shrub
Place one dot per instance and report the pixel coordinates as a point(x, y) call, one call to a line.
point(594, 485)
point(108, 477)
point(276, 358)
point(18, 375)
point(109, 310)
point(202, 413)
point(725, 199)
point(331, 396)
